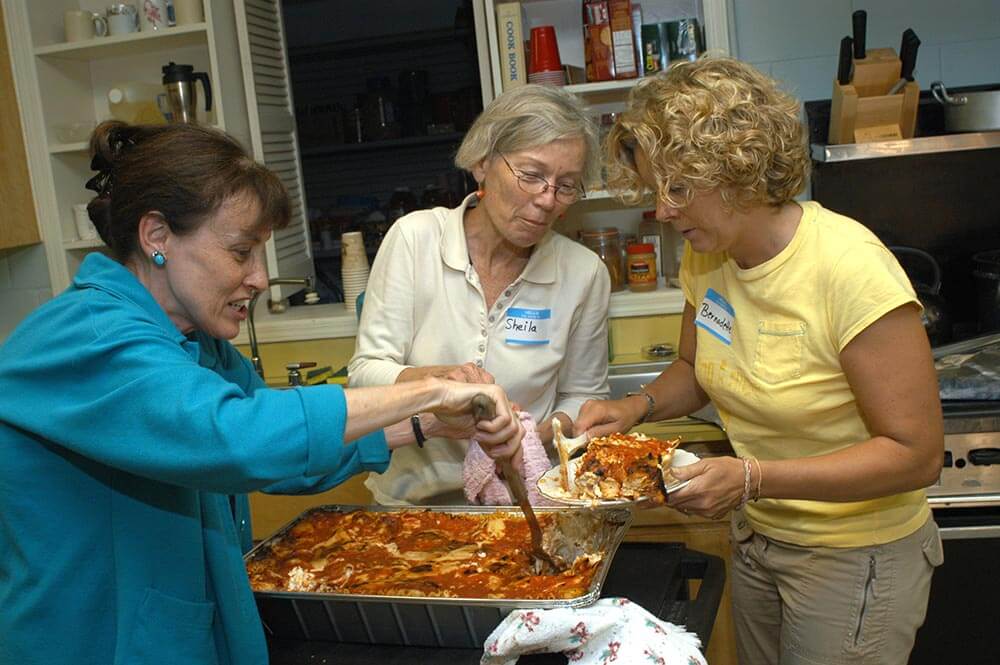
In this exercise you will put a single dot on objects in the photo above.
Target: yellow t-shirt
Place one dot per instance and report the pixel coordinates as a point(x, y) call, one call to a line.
point(769, 343)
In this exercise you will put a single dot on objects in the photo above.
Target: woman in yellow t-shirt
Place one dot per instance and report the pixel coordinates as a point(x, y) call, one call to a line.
point(804, 332)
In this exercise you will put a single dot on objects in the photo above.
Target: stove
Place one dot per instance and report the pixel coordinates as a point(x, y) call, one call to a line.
point(966, 506)
point(969, 378)
point(970, 475)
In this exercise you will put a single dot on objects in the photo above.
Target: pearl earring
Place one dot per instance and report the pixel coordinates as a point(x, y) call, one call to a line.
point(158, 258)
point(481, 192)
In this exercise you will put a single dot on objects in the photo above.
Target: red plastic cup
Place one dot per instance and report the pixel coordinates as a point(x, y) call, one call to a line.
point(544, 50)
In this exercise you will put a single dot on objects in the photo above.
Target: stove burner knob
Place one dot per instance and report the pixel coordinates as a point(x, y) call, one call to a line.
point(984, 456)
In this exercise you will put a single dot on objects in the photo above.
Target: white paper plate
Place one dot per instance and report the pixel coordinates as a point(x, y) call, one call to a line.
point(551, 488)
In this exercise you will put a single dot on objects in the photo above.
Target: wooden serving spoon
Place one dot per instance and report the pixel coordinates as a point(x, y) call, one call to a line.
point(483, 408)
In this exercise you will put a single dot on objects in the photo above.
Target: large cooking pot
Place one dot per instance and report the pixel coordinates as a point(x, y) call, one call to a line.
point(935, 317)
point(969, 111)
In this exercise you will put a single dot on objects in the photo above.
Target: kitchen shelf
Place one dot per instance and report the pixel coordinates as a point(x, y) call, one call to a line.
point(664, 300)
point(79, 146)
point(924, 145)
point(372, 146)
point(83, 244)
point(600, 86)
point(133, 43)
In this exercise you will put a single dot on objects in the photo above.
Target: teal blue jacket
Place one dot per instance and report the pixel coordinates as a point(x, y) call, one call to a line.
point(120, 443)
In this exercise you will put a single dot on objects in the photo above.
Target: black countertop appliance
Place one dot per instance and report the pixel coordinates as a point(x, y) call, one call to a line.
point(657, 576)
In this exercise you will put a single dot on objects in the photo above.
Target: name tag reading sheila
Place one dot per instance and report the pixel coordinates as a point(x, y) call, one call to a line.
point(527, 326)
point(716, 316)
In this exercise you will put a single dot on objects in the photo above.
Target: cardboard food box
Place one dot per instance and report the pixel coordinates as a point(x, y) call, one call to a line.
point(622, 40)
point(600, 64)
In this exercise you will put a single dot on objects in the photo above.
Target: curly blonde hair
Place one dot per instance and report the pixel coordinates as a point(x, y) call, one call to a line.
point(715, 123)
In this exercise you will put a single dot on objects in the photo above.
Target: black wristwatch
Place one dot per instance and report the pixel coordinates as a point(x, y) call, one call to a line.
point(649, 409)
point(417, 432)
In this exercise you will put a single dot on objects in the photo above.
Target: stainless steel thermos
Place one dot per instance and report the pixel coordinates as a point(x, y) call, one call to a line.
point(182, 95)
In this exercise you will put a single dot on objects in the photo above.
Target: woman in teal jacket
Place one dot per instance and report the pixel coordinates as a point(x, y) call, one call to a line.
point(127, 420)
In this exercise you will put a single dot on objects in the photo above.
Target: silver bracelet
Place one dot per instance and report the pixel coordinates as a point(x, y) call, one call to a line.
point(649, 409)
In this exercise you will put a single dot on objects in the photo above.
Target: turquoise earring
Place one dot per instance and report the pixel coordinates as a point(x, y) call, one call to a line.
point(159, 259)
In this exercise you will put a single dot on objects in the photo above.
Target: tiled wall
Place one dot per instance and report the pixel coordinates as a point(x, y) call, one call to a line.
point(24, 284)
point(795, 41)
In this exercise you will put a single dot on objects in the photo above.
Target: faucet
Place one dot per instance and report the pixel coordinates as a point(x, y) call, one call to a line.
point(275, 308)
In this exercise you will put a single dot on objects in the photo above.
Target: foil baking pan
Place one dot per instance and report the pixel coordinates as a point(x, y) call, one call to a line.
point(425, 620)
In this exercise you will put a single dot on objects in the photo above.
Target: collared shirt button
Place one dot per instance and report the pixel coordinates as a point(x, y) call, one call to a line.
point(492, 318)
point(507, 292)
point(482, 347)
point(479, 363)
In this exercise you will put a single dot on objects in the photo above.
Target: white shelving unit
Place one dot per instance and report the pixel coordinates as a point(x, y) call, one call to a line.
point(600, 208)
point(62, 83)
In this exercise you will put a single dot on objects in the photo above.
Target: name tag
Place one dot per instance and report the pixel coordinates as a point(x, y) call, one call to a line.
point(527, 326)
point(716, 316)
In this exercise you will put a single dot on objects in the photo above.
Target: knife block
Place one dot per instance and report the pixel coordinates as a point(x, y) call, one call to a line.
point(862, 111)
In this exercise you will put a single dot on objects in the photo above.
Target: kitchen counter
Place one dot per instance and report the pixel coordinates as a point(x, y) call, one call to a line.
point(336, 320)
point(654, 575)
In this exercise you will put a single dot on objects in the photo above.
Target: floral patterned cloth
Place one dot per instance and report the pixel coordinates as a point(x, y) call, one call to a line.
point(484, 487)
point(612, 630)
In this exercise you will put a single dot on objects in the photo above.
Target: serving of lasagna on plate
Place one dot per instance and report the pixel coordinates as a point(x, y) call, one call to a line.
point(430, 553)
point(618, 469)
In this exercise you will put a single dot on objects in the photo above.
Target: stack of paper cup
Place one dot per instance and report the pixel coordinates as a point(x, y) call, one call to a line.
point(354, 266)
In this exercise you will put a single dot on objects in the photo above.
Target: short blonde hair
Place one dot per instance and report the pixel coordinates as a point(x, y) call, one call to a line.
point(529, 116)
point(715, 123)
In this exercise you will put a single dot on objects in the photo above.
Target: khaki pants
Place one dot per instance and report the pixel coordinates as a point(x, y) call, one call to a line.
point(798, 605)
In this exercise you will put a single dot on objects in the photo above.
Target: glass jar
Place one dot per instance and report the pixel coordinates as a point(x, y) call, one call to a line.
point(606, 243)
point(641, 267)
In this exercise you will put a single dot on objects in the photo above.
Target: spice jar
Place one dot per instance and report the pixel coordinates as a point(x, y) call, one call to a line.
point(606, 243)
point(640, 265)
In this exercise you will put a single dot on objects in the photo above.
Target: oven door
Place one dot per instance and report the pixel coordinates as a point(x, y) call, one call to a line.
point(961, 623)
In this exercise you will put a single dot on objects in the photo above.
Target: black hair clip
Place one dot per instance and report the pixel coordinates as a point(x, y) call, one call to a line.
point(100, 183)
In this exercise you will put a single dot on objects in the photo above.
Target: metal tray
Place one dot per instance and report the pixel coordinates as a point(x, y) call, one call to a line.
point(416, 620)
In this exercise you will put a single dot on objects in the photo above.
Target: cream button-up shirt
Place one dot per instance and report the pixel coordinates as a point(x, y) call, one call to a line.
point(545, 340)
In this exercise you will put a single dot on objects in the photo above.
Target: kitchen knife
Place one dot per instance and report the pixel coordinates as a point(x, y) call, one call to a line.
point(859, 19)
point(908, 56)
point(844, 61)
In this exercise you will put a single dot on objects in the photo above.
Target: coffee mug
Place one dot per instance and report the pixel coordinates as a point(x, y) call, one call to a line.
point(85, 228)
point(122, 19)
point(188, 11)
point(82, 25)
point(153, 15)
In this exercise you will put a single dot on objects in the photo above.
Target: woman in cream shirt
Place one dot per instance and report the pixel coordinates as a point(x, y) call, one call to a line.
point(487, 291)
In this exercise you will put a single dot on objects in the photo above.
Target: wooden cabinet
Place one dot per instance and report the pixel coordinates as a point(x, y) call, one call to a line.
point(63, 92)
point(18, 225)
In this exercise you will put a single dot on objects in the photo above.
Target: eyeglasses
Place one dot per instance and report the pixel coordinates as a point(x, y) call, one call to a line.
point(536, 184)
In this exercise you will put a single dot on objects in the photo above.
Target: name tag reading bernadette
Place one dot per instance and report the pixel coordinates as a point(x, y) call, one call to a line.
point(716, 316)
point(527, 326)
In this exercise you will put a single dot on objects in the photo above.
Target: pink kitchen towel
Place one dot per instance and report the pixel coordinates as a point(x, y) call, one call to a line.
point(483, 485)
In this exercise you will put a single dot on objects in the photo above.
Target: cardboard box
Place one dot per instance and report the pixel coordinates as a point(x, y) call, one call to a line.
point(622, 41)
point(597, 41)
point(510, 37)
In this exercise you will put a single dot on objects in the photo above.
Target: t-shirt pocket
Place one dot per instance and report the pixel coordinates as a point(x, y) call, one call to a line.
point(779, 350)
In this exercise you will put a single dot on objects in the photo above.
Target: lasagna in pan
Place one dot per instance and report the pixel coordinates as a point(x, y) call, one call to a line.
point(625, 466)
point(428, 553)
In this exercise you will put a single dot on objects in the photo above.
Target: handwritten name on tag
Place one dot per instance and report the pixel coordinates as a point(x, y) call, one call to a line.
point(527, 326)
point(716, 316)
